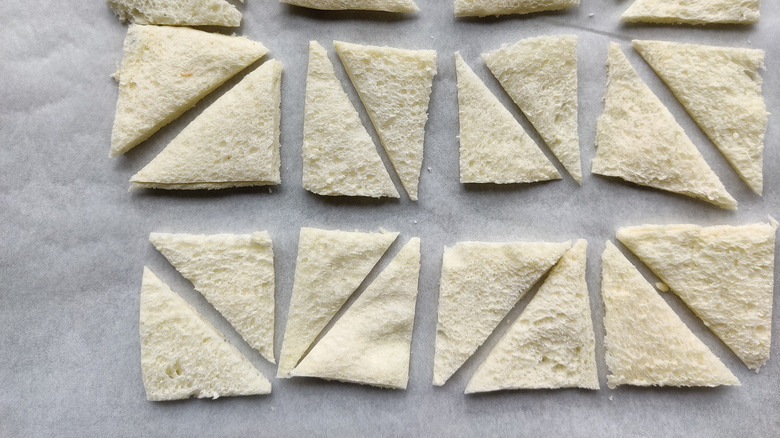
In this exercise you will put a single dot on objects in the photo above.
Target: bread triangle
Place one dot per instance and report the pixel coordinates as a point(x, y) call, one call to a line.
point(183, 355)
point(364, 5)
point(483, 8)
point(693, 11)
point(330, 267)
point(638, 140)
point(480, 283)
point(395, 87)
point(540, 75)
point(494, 148)
point(339, 157)
point(166, 70)
point(725, 274)
point(720, 87)
point(371, 342)
point(232, 143)
point(178, 12)
point(646, 342)
point(551, 344)
point(236, 275)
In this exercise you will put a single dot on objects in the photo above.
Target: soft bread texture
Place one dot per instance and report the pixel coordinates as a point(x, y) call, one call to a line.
point(330, 267)
point(183, 355)
point(693, 11)
point(540, 75)
point(725, 274)
point(178, 12)
point(480, 283)
point(339, 157)
point(551, 344)
point(720, 87)
point(232, 143)
point(165, 71)
point(483, 8)
point(364, 5)
point(395, 87)
point(236, 275)
point(494, 148)
point(371, 343)
point(646, 342)
point(638, 140)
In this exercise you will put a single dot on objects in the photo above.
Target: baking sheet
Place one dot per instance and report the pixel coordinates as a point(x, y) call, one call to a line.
point(74, 240)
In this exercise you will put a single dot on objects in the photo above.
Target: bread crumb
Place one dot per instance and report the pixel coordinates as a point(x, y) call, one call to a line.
point(591, 15)
point(429, 169)
point(660, 285)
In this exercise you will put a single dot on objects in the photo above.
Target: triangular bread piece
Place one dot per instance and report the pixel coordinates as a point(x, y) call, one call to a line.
point(361, 5)
point(232, 143)
point(339, 157)
point(551, 344)
point(725, 274)
point(330, 267)
point(494, 148)
point(693, 11)
point(483, 8)
point(720, 87)
point(540, 75)
point(183, 355)
point(178, 12)
point(236, 275)
point(371, 343)
point(646, 342)
point(395, 87)
point(166, 70)
point(638, 140)
point(480, 283)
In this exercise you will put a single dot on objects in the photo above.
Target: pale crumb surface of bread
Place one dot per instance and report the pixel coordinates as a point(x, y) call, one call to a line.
point(330, 267)
point(235, 139)
point(693, 11)
point(480, 283)
point(540, 75)
point(646, 342)
point(165, 71)
point(183, 355)
point(494, 148)
point(638, 140)
point(725, 274)
point(236, 275)
point(371, 343)
point(395, 87)
point(178, 12)
point(552, 343)
point(339, 156)
point(720, 87)
point(364, 5)
point(483, 8)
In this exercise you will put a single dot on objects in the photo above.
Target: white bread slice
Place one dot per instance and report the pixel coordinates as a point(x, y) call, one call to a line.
point(371, 342)
point(494, 148)
point(725, 274)
point(177, 12)
point(480, 283)
point(232, 143)
point(361, 5)
point(330, 267)
point(720, 87)
point(638, 140)
point(395, 87)
point(540, 75)
point(339, 157)
point(551, 344)
point(646, 342)
point(183, 355)
point(165, 71)
point(693, 11)
point(483, 8)
point(236, 275)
